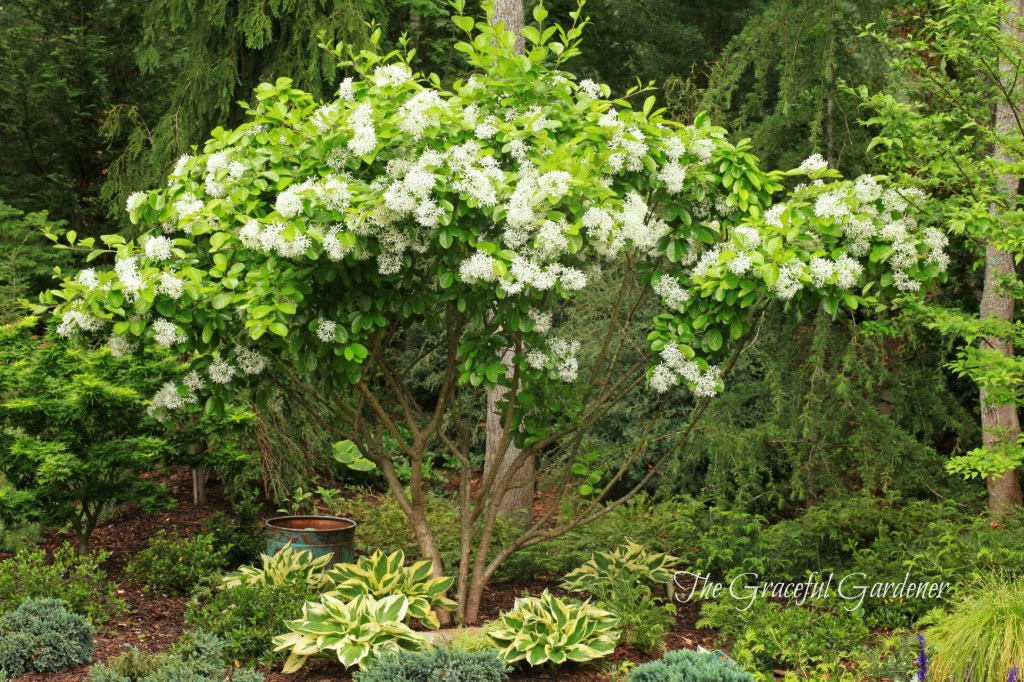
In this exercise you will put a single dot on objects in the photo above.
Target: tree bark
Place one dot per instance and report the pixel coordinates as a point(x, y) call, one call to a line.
point(1000, 423)
point(512, 14)
point(200, 474)
point(517, 502)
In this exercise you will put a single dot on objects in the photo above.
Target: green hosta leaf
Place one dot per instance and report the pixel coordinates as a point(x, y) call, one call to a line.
point(548, 629)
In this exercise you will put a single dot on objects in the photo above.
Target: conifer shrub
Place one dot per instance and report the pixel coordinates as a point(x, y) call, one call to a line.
point(42, 636)
point(685, 665)
point(436, 665)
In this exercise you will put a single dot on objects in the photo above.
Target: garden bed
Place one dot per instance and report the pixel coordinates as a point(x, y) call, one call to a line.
point(155, 621)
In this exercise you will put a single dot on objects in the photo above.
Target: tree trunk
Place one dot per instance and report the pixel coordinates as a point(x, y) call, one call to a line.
point(200, 474)
point(999, 422)
point(199, 477)
point(512, 14)
point(517, 502)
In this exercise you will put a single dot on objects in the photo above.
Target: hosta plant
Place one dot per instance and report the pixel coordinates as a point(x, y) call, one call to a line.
point(547, 629)
point(631, 562)
point(382, 575)
point(287, 565)
point(357, 631)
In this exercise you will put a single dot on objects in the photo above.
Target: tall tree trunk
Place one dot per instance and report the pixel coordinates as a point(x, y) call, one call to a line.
point(1000, 422)
point(512, 14)
point(517, 502)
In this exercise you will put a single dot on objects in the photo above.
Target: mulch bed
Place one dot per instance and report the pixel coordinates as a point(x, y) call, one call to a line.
point(155, 621)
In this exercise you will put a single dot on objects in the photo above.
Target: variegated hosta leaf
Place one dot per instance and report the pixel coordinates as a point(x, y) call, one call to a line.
point(383, 575)
point(356, 631)
point(285, 566)
point(631, 562)
point(548, 629)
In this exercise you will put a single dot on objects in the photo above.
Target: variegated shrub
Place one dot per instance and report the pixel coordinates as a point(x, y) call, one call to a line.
point(631, 562)
point(287, 565)
point(382, 575)
point(547, 629)
point(356, 631)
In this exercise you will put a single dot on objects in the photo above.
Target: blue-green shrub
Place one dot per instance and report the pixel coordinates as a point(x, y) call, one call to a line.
point(436, 665)
point(42, 636)
point(689, 666)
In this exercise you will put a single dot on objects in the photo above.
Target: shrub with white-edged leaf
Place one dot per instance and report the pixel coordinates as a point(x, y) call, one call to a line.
point(547, 629)
point(356, 631)
point(382, 575)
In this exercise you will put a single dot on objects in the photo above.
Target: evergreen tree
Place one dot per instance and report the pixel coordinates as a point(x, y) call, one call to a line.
point(64, 63)
point(778, 81)
point(210, 55)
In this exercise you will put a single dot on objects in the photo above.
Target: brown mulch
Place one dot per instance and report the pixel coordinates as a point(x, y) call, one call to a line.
point(154, 621)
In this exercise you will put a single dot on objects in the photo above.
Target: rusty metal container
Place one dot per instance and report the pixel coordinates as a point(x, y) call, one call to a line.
point(319, 534)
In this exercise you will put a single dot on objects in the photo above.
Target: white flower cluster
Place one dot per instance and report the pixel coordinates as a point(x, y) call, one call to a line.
point(855, 210)
point(135, 200)
point(866, 189)
point(845, 271)
point(590, 89)
point(773, 216)
point(364, 136)
point(831, 205)
point(271, 239)
point(167, 334)
point(325, 117)
point(703, 148)
point(708, 260)
point(335, 250)
point(611, 232)
point(347, 91)
point(158, 248)
point(88, 278)
point(221, 371)
point(790, 280)
point(674, 367)
point(563, 352)
point(216, 162)
point(815, 163)
point(478, 268)
point(561, 358)
point(391, 75)
point(250, 361)
point(74, 320)
point(671, 292)
point(325, 330)
point(421, 112)
point(128, 274)
point(185, 208)
point(541, 321)
point(120, 346)
point(331, 192)
point(525, 272)
point(673, 175)
point(170, 285)
point(170, 399)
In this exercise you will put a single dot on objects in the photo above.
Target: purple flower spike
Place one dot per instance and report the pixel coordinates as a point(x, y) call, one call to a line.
point(1013, 675)
point(922, 660)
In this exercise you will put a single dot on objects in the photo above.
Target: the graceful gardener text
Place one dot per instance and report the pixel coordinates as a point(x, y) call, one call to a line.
point(853, 588)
